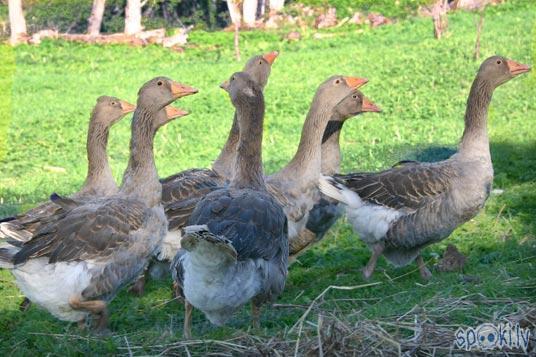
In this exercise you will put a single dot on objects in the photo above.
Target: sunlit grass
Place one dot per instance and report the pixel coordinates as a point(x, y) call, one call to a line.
point(420, 83)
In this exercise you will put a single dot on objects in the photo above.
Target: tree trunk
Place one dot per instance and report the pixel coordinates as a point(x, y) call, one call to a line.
point(133, 17)
point(276, 5)
point(17, 22)
point(249, 10)
point(234, 11)
point(261, 7)
point(95, 20)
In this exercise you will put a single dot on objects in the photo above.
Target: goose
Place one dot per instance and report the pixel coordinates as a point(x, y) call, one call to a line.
point(295, 186)
point(182, 191)
point(99, 179)
point(191, 184)
point(235, 246)
point(74, 266)
point(327, 211)
point(400, 211)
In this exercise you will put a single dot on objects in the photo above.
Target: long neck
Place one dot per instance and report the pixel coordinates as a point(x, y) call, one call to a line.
point(99, 179)
point(225, 162)
point(331, 150)
point(248, 165)
point(140, 180)
point(475, 141)
point(306, 163)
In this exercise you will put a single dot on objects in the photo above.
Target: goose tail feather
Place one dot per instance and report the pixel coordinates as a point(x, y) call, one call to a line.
point(336, 190)
point(200, 241)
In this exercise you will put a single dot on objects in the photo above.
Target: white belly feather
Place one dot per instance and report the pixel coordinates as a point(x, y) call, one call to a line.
point(170, 245)
point(51, 285)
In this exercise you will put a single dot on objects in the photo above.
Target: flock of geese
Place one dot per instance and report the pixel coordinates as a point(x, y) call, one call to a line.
point(229, 232)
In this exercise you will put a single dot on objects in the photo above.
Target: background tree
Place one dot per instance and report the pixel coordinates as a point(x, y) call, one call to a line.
point(95, 20)
point(17, 22)
point(234, 11)
point(276, 5)
point(133, 17)
point(249, 11)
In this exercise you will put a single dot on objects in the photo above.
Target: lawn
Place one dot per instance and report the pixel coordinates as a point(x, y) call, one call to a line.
point(420, 83)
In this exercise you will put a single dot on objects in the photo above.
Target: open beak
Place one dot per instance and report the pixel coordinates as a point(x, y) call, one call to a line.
point(173, 112)
point(270, 57)
point(368, 106)
point(180, 90)
point(126, 107)
point(225, 85)
point(355, 82)
point(516, 67)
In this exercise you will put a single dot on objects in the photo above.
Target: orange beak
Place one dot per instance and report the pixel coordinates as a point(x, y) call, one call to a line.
point(127, 107)
point(368, 106)
point(517, 68)
point(173, 112)
point(270, 57)
point(225, 85)
point(355, 82)
point(180, 90)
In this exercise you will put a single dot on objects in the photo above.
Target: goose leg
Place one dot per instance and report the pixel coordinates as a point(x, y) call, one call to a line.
point(188, 308)
point(425, 272)
point(82, 324)
point(377, 250)
point(98, 308)
point(25, 304)
point(255, 315)
point(300, 244)
point(138, 287)
point(177, 291)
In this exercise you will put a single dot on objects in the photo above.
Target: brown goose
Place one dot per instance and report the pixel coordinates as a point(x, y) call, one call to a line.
point(235, 247)
point(99, 180)
point(295, 185)
point(74, 266)
point(327, 211)
point(399, 211)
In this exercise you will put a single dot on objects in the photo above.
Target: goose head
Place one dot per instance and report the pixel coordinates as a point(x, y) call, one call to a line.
point(109, 110)
point(241, 88)
point(497, 70)
point(336, 88)
point(259, 67)
point(353, 104)
point(161, 91)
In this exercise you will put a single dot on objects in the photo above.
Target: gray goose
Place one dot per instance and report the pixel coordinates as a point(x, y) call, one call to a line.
point(235, 247)
point(99, 180)
point(400, 211)
point(180, 192)
point(296, 185)
point(74, 266)
point(327, 211)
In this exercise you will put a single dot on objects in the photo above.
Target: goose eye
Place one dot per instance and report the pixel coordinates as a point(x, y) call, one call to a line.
point(354, 96)
point(160, 83)
point(337, 81)
point(113, 103)
point(260, 62)
point(499, 61)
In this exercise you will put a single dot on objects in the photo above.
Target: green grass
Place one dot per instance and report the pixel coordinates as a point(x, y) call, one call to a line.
point(420, 83)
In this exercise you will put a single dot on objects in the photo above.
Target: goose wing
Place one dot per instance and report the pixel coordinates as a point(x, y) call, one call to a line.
point(181, 193)
point(253, 221)
point(405, 187)
point(90, 231)
point(188, 184)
